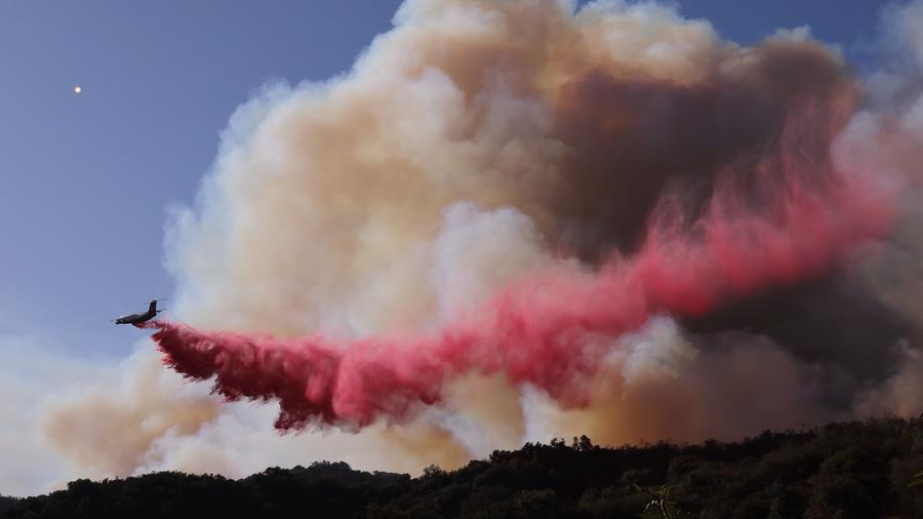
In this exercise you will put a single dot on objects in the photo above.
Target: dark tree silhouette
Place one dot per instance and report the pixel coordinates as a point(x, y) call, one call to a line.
point(6, 503)
point(849, 470)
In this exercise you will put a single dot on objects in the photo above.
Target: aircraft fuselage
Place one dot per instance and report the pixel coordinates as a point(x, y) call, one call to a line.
point(152, 312)
point(135, 318)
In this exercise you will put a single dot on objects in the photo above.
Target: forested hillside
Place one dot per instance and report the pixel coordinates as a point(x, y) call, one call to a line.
point(846, 471)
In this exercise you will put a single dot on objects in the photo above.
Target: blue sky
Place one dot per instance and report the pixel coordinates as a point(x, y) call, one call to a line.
point(85, 180)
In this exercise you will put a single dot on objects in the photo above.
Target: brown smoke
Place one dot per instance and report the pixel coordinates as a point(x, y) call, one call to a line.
point(109, 431)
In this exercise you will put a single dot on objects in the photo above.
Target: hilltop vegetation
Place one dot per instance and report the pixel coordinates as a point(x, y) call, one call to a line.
point(844, 471)
point(6, 503)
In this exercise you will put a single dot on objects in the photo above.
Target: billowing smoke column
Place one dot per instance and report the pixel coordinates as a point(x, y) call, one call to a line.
point(680, 181)
point(517, 220)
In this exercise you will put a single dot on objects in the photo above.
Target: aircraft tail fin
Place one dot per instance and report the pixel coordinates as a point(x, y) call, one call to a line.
point(153, 308)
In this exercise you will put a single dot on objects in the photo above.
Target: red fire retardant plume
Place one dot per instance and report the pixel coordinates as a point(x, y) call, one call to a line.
point(551, 330)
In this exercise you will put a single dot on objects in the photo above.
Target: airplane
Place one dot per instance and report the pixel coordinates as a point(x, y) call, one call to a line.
point(136, 319)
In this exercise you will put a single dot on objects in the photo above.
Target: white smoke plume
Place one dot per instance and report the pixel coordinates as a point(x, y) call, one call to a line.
point(28, 374)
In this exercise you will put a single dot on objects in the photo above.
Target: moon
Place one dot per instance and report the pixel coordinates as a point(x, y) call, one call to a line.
point(77, 89)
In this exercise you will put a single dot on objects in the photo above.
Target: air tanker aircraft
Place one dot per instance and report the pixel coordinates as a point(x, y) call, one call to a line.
point(152, 312)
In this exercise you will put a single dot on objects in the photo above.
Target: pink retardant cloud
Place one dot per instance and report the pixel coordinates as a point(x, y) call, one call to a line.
point(552, 329)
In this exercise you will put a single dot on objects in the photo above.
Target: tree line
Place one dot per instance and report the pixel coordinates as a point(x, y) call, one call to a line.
point(858, 470)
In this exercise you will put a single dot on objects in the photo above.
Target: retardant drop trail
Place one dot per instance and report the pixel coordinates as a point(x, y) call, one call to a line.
point(551, 330)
